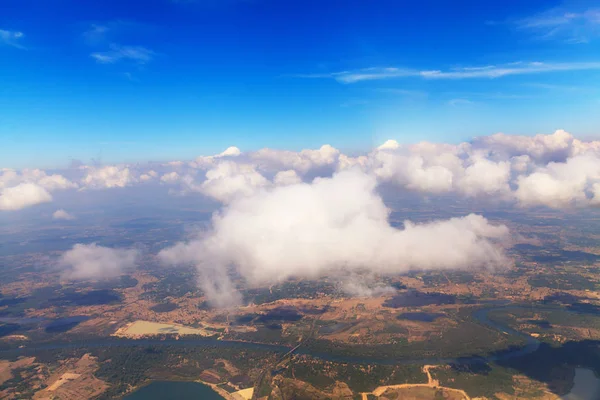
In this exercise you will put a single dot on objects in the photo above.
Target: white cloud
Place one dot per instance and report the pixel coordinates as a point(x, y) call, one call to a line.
point(41, 178)
point(9, 177)
point(486, 177)
point(204, 162)
point(389, 145)
point(55, 182)
point(11, 38)
point(62, 214)
point(148, 176)
point(524, 170)
point(302, 161)
point(171, 177)
point(229, 180)
point(560, 184)
point(564, 25)
point(326, 227)
point(230, 151)
point(95, 34)
point(288, 177)
point(111, 176)
point(554, 170)
point(138, 54)
point(23, 195)
point(29, 187)
point(542, 148)
point(90, 261)
point(484, 72)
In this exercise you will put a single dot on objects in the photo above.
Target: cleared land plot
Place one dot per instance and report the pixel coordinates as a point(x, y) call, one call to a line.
point(143, 328)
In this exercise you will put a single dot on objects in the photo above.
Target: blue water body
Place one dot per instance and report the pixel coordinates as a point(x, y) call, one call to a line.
point(586, 386)
point(481, 315)
point(167, 390)
point(420, 316)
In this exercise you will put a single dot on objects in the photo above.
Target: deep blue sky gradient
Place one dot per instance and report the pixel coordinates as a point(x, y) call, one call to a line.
point(227, 72)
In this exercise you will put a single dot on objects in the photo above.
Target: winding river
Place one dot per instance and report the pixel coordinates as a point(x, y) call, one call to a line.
point(583, 378)
point(481, 315)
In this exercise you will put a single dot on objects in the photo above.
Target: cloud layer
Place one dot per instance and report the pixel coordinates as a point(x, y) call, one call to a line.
point(479, 72)
point(317, 212)
point(324, 228)
point(555, 170)
point(90, 261)
point(29, 187)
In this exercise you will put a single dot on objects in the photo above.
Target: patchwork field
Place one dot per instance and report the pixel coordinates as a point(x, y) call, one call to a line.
point(147, 328)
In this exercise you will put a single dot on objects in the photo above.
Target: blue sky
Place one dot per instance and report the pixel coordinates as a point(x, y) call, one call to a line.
point(124, 81)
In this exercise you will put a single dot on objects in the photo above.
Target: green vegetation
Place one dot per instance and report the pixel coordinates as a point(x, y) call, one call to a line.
point(289, 290)
point(359, 377)
point(453, 277)
point(19, 382)
point(132, 366)
point(464, 339)
point(122, 282)
point(476, 379)
point(164, 307)
point(565, 281)
point(172, 284)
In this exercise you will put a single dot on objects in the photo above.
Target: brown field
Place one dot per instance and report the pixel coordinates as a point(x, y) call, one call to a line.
point(147, 328)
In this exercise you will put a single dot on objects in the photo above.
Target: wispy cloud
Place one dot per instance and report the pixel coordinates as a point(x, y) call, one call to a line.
point(364, 74)
point(138, 54)
point(489, 71)
point(95, 34)
point(11, 38)
point(565, 25)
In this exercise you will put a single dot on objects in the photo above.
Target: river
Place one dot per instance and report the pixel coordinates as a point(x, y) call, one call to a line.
point(582, 379)
point(161, 390)
point(481, 315)
point(586, 386)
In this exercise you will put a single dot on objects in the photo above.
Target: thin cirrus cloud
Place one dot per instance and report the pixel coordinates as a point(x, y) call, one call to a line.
point(484, 72)
point(566, 25)
point(117, 53)
point(95, 34)
point(11, 38)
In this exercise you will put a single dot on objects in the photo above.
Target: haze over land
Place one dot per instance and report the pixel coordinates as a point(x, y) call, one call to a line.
point(307, 199)
point(319, 212)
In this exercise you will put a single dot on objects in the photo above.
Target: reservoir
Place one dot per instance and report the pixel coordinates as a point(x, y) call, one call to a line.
point(586, 386)
point(166, 390)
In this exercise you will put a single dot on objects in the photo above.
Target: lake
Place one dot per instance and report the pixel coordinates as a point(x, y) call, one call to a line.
point(165, 390)
point(587, 386)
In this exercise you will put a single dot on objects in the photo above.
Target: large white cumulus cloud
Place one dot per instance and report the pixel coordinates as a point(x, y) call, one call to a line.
point(321, 228)
point(110, 176)
point(302, 161)
point(554, 170)
point(541, 148)
point(561, 184)
point(229, 180)
point(26, 188)
point(23, 195)
point(90, 261)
